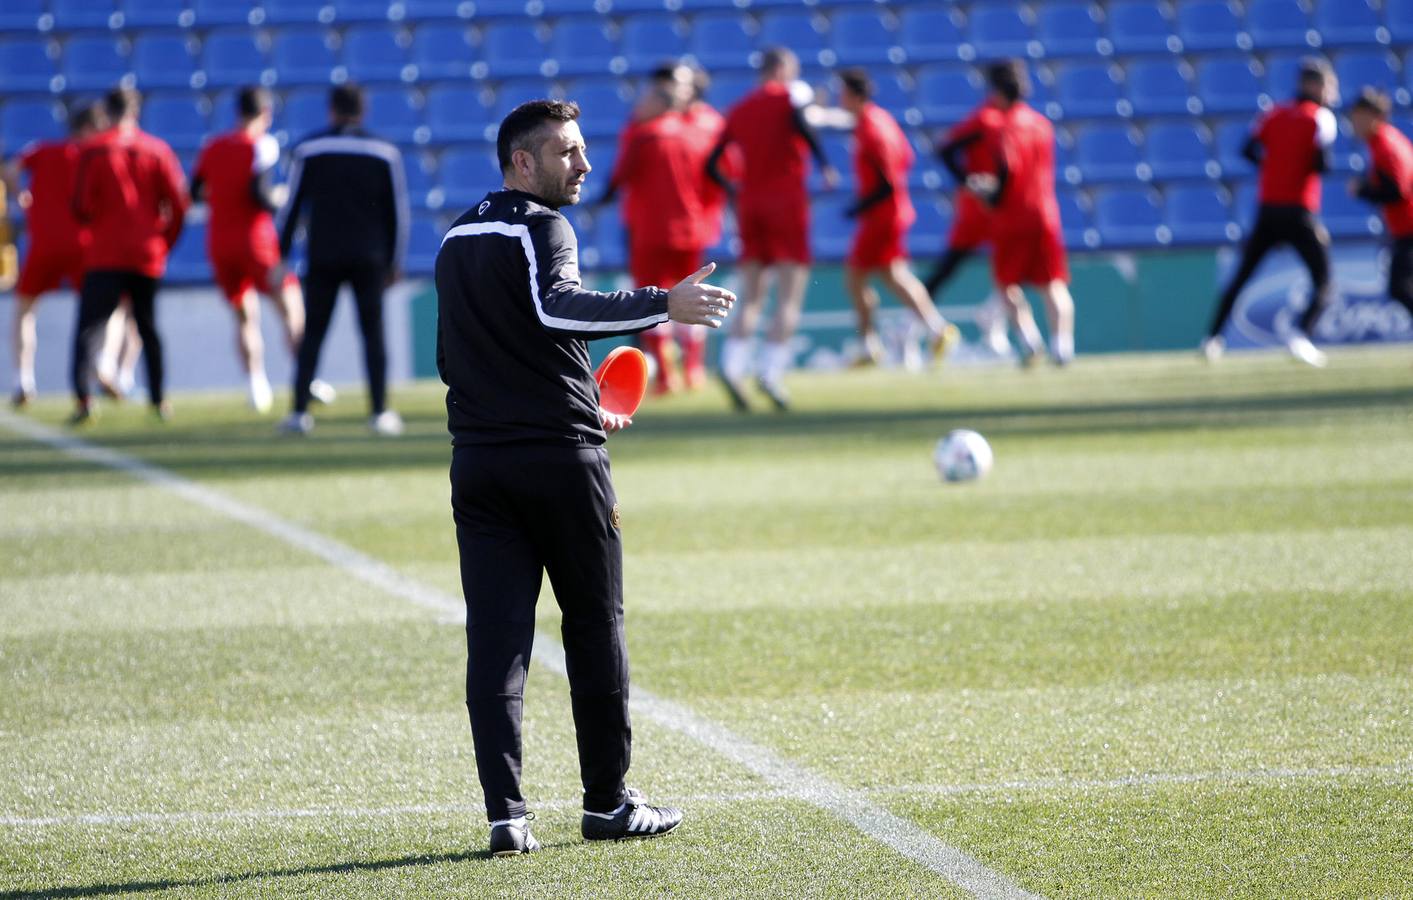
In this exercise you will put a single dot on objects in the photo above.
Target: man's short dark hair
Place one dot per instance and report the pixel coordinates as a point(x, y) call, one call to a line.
point(121, 102)
point(518, 130)
point(87, 115)
point(1009, 79)
point(346, 101)
point(775, 57)
point(252, 101)
point(1314, 70)
point(857, 81)
point(665, 71)
point(1373, 100)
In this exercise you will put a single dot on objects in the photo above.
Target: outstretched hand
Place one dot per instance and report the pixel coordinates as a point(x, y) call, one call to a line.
point(694, 303)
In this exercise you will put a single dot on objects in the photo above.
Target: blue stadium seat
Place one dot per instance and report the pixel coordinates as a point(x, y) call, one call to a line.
point(442, 51)
point(299, 12)
point(208, 13)
point(1130, 217)
point(181, 120)
point(1138, 26)
point(511, 94)
point(603, 105)
point(648, 40)
point(1231, 137)
point(1211, 25)
point(424, 239)
point(1280, 25)
point(1244, 204)
point(607, 244)
point(78, 15)
point(1088, 90)
point(861, 37)
point(1109, 153)
point(1229, 85)
point(1347, 153)
point(891, 93)
point(467, 173)
point(1071, 29)
point(163, 60)
point(1357, 68)
point(836, 149)
point(421, 180)
point(1349, 23)
point(395, 114)
point(372, 54)
point(25, 65)
point(947, 94)
point(223, 111)
point(721, 40)
point(1199, 214)
point(727, 89)
point(455, 112)
point(22, 121)
point(187, 263)
point(1179, 150)
point(932, 34)
point(934, 220)
point(303, 111)
point(304, 56)
point(93, 63)
point(442, 10)
point(1161, 87)
point(830, 232)
point(361, 10)
point(233, 58)
point(1282, 73)
point(511, 49)
point(1346, 216)
point(582, 46)
point(1399, 16)
point(1002, 31)
point(25, 16)
point(800, 30)
point(1076, 220)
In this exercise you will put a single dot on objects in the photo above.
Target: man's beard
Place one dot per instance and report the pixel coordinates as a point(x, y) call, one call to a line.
point(555, 193)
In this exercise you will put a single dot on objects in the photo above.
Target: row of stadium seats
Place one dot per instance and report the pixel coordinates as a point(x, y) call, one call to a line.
point(858, 31)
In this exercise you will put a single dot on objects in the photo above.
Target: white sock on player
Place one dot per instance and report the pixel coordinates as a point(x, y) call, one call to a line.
point(776, 362)
point(26, 380)
point(1062, 347)
point(261, 397)
point(736, 358)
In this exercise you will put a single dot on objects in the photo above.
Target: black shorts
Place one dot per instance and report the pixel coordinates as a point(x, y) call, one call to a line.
point(1400, 269)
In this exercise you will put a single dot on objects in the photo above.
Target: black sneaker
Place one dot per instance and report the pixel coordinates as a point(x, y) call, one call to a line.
point(510, 839)
point(739, 403)
point(634, 819)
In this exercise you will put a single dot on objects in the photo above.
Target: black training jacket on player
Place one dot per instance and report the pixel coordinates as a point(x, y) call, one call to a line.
point(351, 188)
point(513, 322)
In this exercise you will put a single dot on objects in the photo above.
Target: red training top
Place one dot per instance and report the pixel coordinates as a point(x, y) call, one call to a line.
point(881, 146)
point(1293, 136)
point(659, 170)
point(774, 155)
point(52, 168)
point(706, 126)
point(1028, 201)
point(239, 226)
point(132, 195)
point(1391, 156)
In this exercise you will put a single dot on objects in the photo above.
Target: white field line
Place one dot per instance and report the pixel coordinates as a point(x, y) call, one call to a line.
point(848, 804)
point(1398, 772)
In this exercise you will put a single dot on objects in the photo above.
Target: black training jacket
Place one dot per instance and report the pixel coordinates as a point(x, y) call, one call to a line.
point(514, 322)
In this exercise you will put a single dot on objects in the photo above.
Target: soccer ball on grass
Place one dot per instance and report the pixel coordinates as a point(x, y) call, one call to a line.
point(962, 456)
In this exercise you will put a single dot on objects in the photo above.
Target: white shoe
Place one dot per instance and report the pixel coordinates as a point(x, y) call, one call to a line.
point(386, 424)
point(261, 397)
point(1300, 347)
point(296, 424)
point(322, 392)
point(1213, 348)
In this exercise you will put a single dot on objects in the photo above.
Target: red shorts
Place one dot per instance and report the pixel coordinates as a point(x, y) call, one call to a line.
point(775, 234)
point(47, 270)
point(235, 275)
point(972, 226)
point(1032, 256)
point(876, 245)
point(662, 266)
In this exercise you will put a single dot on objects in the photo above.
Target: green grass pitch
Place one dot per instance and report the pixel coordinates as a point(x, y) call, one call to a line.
point(1165, 650)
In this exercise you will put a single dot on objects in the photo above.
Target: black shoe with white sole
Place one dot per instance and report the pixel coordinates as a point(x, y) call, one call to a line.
point(512, 837)
point(634, 819)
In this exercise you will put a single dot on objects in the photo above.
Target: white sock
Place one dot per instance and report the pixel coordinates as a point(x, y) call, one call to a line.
point(518, 822)
point(1062, 346)
point(607, 815)
point(27, 380)
point(1030, 336)
point(736, 358)
point(776, 362)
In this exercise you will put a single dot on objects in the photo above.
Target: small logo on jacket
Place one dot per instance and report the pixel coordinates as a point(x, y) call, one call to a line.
point(485, 205)
point(615, 519)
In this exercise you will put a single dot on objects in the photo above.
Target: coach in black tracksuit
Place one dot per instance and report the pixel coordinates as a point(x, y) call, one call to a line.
point(351, 188)
point(531, 490)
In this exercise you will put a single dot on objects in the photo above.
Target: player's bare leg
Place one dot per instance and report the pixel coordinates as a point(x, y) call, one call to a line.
point(1059, 306)
point(289, 297)
point(117, 335)
point(250, 346)
point(692, 341)
point(1018, 308)
point(25, 340)
point(736, 362)
point(865, 300)
point(790, 280)
point(943, 335)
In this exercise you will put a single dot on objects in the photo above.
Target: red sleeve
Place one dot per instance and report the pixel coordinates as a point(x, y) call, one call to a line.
point(627, 155)
point(172, 184)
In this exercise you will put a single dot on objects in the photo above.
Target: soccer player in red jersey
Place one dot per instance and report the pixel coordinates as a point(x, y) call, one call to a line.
point(56, 240)
point(131, 193)
point(1291, 145)
point(235, 174)
point(1389, 183)
point(884, 210)
point(773, 212)
point(1027, 243)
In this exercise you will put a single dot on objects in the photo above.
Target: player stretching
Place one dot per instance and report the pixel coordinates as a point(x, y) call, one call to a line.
point(56, 240)
point(1027, 244)
point(1291, 146)
point(773, 213)
point(131, 193)
point(235, 173)
point(882, 157)
point(1389, 184)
